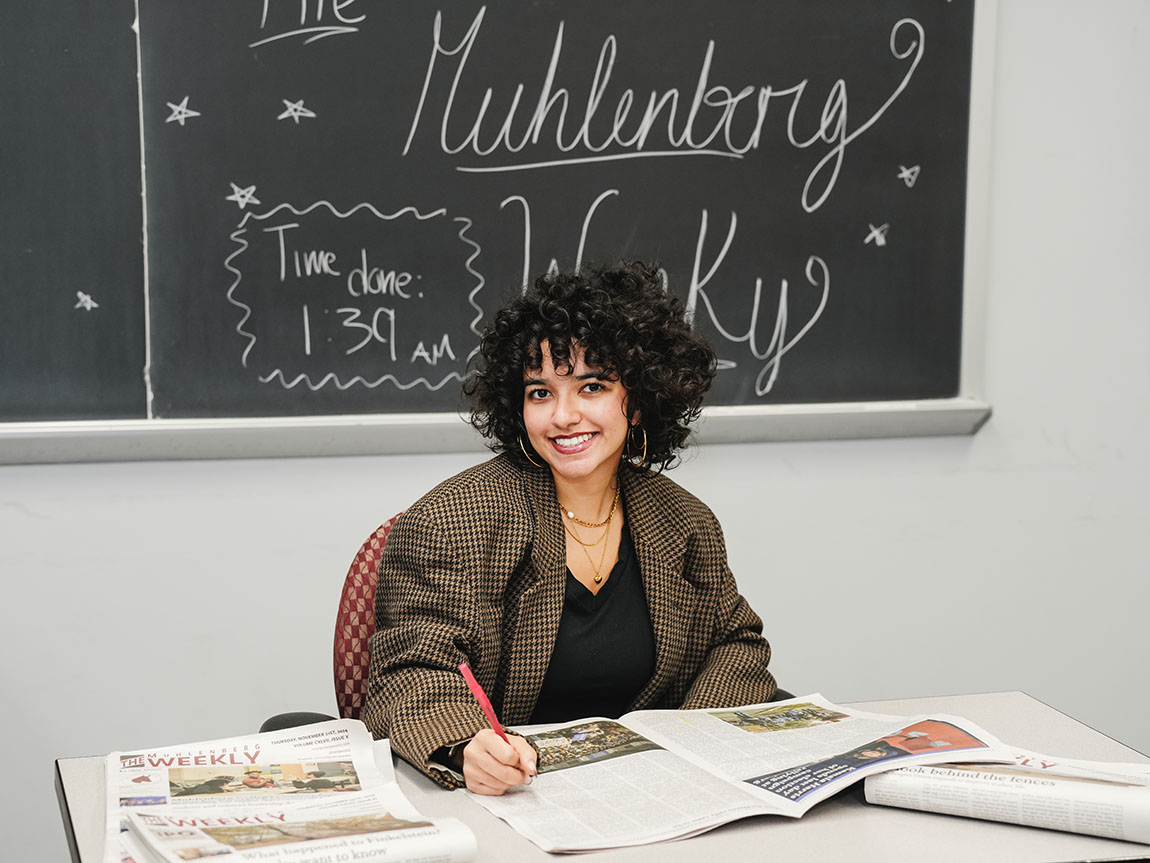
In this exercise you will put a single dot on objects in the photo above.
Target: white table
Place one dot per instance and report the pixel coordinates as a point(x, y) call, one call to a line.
point(842, 828)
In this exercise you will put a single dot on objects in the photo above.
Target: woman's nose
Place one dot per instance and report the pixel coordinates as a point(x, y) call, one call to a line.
point(566, 410)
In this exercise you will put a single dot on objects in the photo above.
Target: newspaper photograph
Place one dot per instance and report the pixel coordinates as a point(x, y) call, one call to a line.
point(655, 775)
point(299, 794)
point(1096, 798)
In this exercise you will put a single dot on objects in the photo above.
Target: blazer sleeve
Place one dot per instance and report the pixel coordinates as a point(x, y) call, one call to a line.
point(426, 625)
point(734, 671)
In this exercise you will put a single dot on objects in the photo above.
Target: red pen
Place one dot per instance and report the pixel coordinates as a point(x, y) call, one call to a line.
point(481, 697)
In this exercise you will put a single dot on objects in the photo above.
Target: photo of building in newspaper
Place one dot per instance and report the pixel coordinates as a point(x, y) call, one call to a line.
point(586, 743)
point(759, 719)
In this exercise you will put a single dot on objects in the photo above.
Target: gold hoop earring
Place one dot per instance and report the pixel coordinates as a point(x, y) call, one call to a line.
point(534, 462)
point(627, 450)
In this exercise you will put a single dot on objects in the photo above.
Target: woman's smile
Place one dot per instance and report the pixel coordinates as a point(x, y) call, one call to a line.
point(573, 443)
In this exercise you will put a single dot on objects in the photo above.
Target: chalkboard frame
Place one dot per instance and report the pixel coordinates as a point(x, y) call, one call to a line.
point(379, 434)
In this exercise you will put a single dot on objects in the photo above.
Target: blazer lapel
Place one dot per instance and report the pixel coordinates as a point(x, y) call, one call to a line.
point(536, 617)
point(660, 545)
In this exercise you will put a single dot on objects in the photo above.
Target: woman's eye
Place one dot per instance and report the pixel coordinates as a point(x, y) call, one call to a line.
point(536, 395)
point(593, 387)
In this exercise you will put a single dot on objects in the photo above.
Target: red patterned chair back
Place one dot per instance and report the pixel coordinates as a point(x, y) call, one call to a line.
point(356, 622)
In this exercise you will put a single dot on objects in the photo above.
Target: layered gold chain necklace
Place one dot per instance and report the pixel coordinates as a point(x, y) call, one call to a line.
point(606, 523)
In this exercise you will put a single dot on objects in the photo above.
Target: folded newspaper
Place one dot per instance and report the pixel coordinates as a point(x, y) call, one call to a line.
point(654, 775)
point(309, 794)
point(1098, 798)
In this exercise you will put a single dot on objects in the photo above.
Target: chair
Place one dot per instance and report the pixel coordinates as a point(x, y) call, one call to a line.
point(354, 625)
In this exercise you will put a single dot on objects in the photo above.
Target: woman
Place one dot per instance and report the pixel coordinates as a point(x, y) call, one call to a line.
point(573, 577)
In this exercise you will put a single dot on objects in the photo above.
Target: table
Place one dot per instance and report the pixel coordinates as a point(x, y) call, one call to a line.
point(842, 828)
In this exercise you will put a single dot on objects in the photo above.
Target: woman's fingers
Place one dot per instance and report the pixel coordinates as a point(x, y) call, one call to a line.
point(491, 765)
point(527, 755)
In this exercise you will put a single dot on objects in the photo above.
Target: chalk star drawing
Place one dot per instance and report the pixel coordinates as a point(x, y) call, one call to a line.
point(909, 175)
point(85, 302)
point(877, 235)
point(295, 110)
point(244, 196)
point(181, 112)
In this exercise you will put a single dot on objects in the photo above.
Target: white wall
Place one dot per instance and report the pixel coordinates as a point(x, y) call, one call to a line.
point(154, 603)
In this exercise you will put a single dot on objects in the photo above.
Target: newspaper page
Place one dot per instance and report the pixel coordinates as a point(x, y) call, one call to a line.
point(1098, 798)
point(655, 775)
point(300, 794)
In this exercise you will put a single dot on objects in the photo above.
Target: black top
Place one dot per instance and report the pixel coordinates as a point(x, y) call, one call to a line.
point(605, 648)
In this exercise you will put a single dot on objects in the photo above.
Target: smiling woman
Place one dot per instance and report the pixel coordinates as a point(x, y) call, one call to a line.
point(570, 574)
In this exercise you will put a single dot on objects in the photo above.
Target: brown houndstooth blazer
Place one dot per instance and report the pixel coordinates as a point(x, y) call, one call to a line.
point(475, 571)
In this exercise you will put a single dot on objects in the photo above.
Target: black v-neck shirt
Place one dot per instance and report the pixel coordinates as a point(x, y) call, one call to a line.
point(604, 651)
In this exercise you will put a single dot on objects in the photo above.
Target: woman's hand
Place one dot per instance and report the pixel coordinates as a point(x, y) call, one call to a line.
point(491, 766)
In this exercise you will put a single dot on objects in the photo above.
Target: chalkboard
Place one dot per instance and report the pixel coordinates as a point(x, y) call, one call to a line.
point(72, 331)
point(338, 193)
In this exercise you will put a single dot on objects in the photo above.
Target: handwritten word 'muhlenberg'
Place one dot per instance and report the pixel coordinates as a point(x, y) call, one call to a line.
point(634, 131)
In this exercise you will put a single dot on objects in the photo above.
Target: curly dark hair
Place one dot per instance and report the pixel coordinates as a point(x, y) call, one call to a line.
point(626, 325)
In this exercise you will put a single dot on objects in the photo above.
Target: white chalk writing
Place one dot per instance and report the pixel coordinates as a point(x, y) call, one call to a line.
point(670, 124)
point(816, 271)
point(309, 20)
point(817, 275)
point(357, 298)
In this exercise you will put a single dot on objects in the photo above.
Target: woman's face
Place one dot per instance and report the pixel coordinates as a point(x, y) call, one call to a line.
point(575, 421)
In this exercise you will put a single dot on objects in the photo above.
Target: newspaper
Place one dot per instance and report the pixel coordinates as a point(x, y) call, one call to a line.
point(314, 793)
point(655, 775)
point(1098, 798)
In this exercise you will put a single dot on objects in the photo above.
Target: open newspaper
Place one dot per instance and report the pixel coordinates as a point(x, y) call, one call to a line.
point(309, 794)
point(1099, 798)
point(653, 775)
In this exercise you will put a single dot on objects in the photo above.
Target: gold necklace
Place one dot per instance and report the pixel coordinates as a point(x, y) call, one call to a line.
point(571, 533)
point(571, 515)
point(598, 578)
